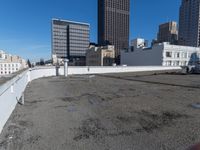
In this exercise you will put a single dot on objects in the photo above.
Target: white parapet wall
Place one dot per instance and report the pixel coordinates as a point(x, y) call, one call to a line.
point(12, 90)
point(42, 72)
point(10, 93)
point(117, 69)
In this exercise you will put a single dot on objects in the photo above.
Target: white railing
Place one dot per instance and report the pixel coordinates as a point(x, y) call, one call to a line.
point(12, 90)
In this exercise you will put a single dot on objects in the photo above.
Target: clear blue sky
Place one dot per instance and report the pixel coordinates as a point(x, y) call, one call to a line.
point(25, 26)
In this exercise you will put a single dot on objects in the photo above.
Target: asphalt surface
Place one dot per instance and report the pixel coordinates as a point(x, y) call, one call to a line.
point(107, 112)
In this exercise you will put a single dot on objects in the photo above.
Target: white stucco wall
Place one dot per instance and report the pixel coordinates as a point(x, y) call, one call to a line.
point(143, 57)
point(157, 55)
point(9, 93)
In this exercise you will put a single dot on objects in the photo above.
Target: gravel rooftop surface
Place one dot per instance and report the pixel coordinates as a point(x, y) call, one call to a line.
point(107, 112)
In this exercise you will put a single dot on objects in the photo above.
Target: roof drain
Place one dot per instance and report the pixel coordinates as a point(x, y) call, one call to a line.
point(21, 99)
point(196, 105)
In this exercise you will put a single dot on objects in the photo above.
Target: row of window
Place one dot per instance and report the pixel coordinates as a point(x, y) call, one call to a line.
point(59, 40)
point(59, 36)
point(182, 55)
point(80, 35)
point(59, 27)
point(14, 69)
point(80, 45)
point(79, 27)
point(72, 27)
point(4, 73)
point(9, 65)
point(75, 38)
point(79, 31)
point(71, 33)
point(175, 63)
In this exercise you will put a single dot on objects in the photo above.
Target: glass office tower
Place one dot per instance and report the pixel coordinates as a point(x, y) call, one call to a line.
point(70, 40)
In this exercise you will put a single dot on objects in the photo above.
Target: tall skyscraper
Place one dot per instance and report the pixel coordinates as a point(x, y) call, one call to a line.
point(70, 40)
point(168, 32)
point(189, 23)
point(113, 23)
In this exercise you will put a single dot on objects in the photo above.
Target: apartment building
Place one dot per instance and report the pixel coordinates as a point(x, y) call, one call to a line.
point(100, 55)
point(10, 64)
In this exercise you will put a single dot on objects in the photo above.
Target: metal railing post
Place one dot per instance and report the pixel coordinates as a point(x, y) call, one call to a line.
point(66, 67)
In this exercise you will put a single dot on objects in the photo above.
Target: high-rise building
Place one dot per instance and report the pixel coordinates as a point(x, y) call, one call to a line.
point(113, 23)
point(70, 40)
point(168, 32)
point(189, 23)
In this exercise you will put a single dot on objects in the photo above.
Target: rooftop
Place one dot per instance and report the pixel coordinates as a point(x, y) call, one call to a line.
point(115, 112)
point(69, 21)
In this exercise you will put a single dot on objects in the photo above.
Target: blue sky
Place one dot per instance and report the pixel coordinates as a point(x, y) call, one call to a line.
point(25, 26)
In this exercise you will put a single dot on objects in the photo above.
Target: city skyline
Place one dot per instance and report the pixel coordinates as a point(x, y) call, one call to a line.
point(30, 37)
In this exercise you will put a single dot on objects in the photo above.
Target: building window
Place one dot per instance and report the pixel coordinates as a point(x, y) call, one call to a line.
point(132, 49)
point(184, 55)
point(177, 55)
point(168, 63)
point(177, 63)
point(169, 54)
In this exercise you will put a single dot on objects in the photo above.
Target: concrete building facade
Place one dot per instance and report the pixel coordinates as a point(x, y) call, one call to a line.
point(100, 55)
point(10, 64)
point(189, 23)
point(70, 40)
point(113, 23)
point(168, 32)
point(162, 54)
